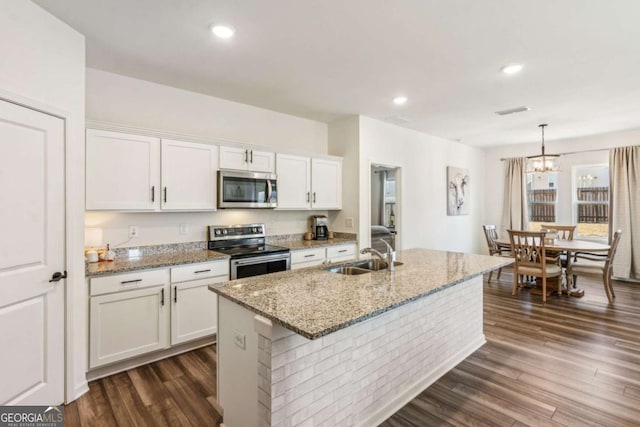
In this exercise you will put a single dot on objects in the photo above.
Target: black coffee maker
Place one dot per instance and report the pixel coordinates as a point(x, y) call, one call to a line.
point(320, 227)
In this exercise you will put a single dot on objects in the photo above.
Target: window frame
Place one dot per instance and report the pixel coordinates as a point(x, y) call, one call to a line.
point(575, 202)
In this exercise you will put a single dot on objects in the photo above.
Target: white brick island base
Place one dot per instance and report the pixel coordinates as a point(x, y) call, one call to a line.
point(358, 376)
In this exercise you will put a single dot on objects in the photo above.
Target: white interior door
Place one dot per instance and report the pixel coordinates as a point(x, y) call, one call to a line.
point(32, 229)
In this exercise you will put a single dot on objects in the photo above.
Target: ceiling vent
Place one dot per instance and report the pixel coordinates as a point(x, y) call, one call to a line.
point(513, 110)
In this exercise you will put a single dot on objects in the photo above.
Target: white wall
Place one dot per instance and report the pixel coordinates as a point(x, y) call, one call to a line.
point(344, 141)
point(121, 100)
point(43, 66)
point(494, 168)
point(422, 213)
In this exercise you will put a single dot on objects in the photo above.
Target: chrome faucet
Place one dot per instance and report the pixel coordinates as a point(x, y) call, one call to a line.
point(391, 256)
point(374, 252)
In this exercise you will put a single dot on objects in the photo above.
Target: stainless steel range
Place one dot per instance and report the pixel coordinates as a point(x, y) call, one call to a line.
point(250, 255)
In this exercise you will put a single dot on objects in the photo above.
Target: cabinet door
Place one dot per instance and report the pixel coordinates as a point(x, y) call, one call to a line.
point(127, 324)
point(234, 158)
point(188, 176)
point(326, 184)
point(194, 310)
point(262, 161)
point(294, 182)
point(122, 171)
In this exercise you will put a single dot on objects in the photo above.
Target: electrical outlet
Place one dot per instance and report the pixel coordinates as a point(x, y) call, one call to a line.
point(184, 229)
point(239, 339)
point(133, 231)
point(348, 222)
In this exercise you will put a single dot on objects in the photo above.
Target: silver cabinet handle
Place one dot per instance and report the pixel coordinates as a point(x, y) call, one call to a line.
point(308, 197)
point(246, 156)
point(130, 281)
point(165, 194)
point(175, 294)
point(310, 255)
point(251, 156)
point(153, 193)
point(162, 296)
point(343, 250)
point(202, 271)
point(314, 197)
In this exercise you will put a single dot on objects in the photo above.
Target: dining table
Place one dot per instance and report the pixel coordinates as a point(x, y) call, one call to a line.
point(569, 247)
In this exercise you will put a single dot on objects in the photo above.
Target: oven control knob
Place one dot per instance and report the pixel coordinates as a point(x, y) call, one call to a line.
point(254, 229)
point(218, 232)
point(224, 231)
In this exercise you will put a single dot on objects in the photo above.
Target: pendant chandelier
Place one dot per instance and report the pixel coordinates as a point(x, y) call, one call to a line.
point(544, 162)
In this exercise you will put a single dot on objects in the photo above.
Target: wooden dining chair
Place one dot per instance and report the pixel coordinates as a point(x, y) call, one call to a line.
point(565, 232)
point(532, 260)
point(495, 249)
point(593, 264)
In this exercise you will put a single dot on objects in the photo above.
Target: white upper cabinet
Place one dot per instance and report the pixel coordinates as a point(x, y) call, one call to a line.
point(188, 175)
point(122, 171)
point(326, 184)
point(294, 182)
point(247, 159)
point(140, 173)
point(305, 183)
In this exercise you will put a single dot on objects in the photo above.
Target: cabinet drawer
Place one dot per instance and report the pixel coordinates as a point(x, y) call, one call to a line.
point(201, 270)
point(308, 255)
point(127, 281)
point(341, 251)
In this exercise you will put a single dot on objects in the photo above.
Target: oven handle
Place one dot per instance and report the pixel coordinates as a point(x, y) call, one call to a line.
point(260, 259)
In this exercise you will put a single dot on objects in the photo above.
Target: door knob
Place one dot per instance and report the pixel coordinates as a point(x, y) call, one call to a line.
point(57, 276)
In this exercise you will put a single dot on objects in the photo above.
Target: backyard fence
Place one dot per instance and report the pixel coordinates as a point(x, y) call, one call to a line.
point(593, 205)
point(596, 212)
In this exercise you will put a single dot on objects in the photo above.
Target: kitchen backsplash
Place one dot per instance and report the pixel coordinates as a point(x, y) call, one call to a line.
point(156, 228)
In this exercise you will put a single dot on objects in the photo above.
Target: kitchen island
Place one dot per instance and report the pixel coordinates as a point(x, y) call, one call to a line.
point(316, 347)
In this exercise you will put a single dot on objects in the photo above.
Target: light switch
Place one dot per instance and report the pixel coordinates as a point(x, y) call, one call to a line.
point(348, 222)
point(184, 229)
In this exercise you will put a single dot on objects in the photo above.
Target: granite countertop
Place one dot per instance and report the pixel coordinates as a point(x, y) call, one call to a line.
point(295, 245)
point(314, 302)
point(122, 265)
point(166, 255)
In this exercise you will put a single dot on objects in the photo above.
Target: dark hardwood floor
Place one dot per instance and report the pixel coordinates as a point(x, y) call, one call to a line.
point(571, 362)
point(179, 391)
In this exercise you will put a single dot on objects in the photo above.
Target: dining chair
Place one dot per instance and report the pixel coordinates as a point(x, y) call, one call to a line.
point(532, 260)
point(565, 232)
point(495, 249)
point(593, 264)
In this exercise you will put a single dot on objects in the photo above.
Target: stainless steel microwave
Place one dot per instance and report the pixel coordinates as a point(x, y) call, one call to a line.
point(246, 190)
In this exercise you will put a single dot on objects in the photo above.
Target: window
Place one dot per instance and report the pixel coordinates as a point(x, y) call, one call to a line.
point(591, 200)
point(541, 198)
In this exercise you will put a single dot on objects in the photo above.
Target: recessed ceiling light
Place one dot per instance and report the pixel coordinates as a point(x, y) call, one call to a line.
point(400, 100)
point(223, 31)
point(512, 68)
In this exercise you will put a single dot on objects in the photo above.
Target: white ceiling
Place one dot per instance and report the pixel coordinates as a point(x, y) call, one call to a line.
point(323, 59)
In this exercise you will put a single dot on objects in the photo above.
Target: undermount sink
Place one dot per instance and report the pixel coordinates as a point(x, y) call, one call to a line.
point(362, 267)
point(350, 271)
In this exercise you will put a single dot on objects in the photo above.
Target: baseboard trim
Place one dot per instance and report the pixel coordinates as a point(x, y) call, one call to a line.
point(422, 384)
point(79, 390)
point(124, 365)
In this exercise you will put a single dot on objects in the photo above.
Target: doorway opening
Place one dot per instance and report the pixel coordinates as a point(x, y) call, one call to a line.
point(385, 206)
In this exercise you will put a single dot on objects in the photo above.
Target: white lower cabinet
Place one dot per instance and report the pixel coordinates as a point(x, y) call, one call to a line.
point(317, 256)
point(193, 305)
point(136, 313)
point(132, 319)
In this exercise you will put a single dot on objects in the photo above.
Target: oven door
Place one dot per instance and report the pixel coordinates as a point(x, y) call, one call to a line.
point(237, 189)
point(258, 265)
